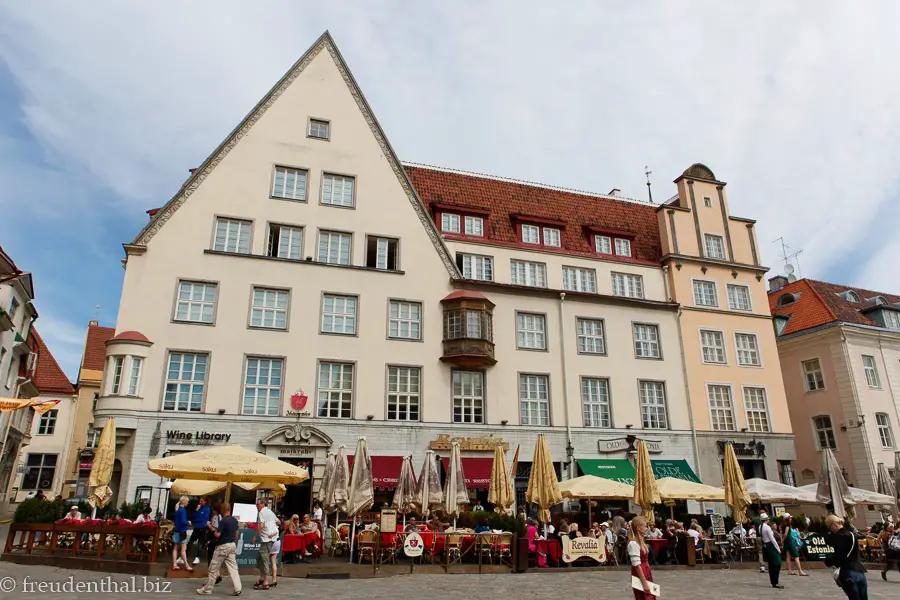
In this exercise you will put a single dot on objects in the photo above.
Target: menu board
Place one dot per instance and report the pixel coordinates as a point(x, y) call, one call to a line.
point(718, 524)
point(817, 548)
point(388, 520)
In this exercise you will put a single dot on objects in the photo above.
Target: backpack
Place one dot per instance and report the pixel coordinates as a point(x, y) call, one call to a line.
point(894, 542)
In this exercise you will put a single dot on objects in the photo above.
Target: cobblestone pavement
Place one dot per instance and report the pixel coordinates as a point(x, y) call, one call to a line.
point(720, 585)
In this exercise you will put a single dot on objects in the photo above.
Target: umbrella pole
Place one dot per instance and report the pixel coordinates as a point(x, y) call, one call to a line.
point(352, 539)
point(227, 492)
point(590, 523)
point(94, 512)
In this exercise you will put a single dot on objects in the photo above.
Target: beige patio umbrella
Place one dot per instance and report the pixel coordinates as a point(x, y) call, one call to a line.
point(500, 492)
point(832, 488)
point(229, 465)
point(596, 488)
point(859, 496)
point(543, 487)
point(101, 470)
point(646, 493)
point(338, 482)
point(405, 492)
point(736, 494)
point(763, 491)
point(428, 487)
point(362, 490)
point(193, 487)
point(673, 488)
point(326, 477)
point(886, 487)
point(39, 406)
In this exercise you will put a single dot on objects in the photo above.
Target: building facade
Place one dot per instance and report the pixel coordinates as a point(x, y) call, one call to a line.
point(304, 287)
point(840, 356)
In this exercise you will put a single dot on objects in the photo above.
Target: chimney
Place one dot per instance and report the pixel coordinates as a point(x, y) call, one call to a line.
point(777, 282)
point(614, 192)
point(94, 323)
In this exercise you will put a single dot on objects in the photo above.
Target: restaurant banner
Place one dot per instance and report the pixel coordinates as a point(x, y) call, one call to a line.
point(817, 547)
point(573, 549)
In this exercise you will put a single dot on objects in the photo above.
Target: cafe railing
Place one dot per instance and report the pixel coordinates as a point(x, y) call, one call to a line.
point(98, 541)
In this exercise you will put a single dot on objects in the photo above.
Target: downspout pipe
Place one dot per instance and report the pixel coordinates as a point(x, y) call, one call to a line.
point(570, 447)
point(687, 395)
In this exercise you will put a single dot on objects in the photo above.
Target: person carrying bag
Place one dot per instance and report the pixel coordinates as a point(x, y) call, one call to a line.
point(849, 573)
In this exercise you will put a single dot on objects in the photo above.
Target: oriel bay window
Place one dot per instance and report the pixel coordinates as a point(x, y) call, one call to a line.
point(468, 329)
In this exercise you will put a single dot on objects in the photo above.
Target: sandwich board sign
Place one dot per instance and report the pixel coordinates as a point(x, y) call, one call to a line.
point(573, 549)
point(413, 545)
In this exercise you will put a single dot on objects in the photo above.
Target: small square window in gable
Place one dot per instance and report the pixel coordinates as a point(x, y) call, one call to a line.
point(319, 129)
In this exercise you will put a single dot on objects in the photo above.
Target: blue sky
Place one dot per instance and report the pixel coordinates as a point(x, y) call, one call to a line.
point(105, 105)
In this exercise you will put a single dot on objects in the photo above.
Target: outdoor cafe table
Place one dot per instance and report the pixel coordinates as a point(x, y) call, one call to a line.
point(552, 548)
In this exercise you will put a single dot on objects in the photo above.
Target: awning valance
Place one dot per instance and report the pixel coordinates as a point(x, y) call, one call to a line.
point(385, 471)
point(476, 470)
point(623, 471)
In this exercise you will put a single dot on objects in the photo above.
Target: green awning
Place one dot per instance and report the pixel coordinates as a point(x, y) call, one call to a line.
point(623, 471)
point(679, 469)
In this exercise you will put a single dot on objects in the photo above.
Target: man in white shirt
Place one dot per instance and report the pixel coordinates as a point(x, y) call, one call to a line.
point(739, 532)
point(267, 530)
point(771, 551)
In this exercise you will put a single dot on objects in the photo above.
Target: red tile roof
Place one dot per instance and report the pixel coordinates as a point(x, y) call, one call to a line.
point(504, 198)
point(131, 336)
point(460, 294)
point(819, 303)
point(95, 347)
point(48, 376)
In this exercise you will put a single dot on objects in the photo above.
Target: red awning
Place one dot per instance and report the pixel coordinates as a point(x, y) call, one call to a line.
point(476, 470)
point(385, 470)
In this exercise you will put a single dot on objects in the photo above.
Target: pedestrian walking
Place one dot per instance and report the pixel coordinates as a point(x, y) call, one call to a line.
point(637, 555)
point(771, 551)
point(792, 545)
point(849, 574)
point(179, 536)
point(225, 535)
point(267, 530)
point(200, 520)
point(890, 543)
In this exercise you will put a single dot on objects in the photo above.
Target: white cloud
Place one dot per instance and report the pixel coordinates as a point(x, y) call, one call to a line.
point(64, 339)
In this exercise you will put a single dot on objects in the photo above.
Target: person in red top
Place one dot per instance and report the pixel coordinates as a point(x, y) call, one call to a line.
point(637, 555)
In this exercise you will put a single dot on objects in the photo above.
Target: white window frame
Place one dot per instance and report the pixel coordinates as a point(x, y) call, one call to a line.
point(595, 402)
point(733, 300)
point(382, 252)
point(295, 192)
point(477, 266)
point(289, 244)
point(465, 399)
point(325, 237)
point(266, 305)
point(531, 234)
point(473, 226)
point(552, 237)
point(201, 302)
point(655, 405)
point(580, 279)
point(603, 244)
point(268, 390)
point(349, 314)
point(720, 400)
point(742, 353)
point(870, 367)
point(534, 399)
point(531, 331)
point(817, 430)
point(646, 341)
point(450, 222)
point(408, 315)
point(718, 252)
point(707, 201)
point(623, 247)
point(590, 334)
point(885, 431)
point(700, 294)
point(891, 319)
point(805, 373)
point(319, 123)
point(237, 235)
point(116, 373)
point(533, 274)
point(404, 387)
point(329, 181)
point(47, 422)
point(754, 414)
point(192, 383)
point(330, 399)
point(627, 285)
point(134, 378)
point(704, 346)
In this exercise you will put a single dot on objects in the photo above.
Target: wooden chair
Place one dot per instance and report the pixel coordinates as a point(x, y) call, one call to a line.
point(453, 547)
point(339, 546)
point(502, 544)
point(367, 543)
point(484, 545)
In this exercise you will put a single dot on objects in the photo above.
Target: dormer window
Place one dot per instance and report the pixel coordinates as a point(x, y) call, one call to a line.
point(474, 226)
point(531, 234)
point(850, 296)
point(785, 300)
point(538, 231)
point(552, 237)
point(603, 244)
point(891, 319)
point(449, 223)
point(879, 300)
point(623, 247)
point(780, 322)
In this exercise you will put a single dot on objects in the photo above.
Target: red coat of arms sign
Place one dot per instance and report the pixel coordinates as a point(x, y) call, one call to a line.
point(299, 400)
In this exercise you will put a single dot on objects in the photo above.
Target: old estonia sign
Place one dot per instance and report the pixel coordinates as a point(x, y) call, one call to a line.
point(413, 546)
point(300, 406)
point(573, 549)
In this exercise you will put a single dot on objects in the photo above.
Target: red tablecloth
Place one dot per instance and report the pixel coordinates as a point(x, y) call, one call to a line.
point(552, 548)
point(660, 543)
point(298, 542)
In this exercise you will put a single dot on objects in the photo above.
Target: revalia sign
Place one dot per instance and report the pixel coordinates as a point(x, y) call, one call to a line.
point(196, 438)
point(573, 549)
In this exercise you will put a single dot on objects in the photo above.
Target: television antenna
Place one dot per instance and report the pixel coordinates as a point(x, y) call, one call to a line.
point(648, 173)
point(789, 259)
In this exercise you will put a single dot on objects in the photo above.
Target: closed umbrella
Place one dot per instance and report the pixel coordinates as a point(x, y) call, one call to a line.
point(101, 470)
point(428, 487)
point(886, 487)
point(646, 493)
point(897, 478)
point(336, 493)
point(736, 494)
point(543, 487)
point(362, 490)
point(832, 488)
point(405, 492)
point(455, 492)
point(323, 487)
point(500, 493)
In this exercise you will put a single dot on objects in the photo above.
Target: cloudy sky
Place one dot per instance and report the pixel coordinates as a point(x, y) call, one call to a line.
point(104, 105)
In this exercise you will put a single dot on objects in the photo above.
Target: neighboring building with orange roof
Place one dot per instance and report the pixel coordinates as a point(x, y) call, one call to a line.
point(839, 348)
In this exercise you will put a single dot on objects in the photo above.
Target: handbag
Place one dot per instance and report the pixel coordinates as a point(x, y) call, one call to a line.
point(836, 573)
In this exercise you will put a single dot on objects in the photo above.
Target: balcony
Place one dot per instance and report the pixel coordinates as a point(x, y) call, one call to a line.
point(6, 322)
point(21, 347)
point(468, 330)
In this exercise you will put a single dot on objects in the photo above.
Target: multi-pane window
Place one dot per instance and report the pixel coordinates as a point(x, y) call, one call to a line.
point(262, 386)
point(646, 340)
point(625, 284)
point(595, 402)
point(289, 184)
point(552, 237)
point(603, 244)
point(871, 371)
point(787, 473)
point(475, 266)
point(531, 331)
point(232, 235)
point(319, 129)
point(270, 308)
point(339, 314)
point(337, 190)
point(382, 253)
point(474, 226)
point(47, 424)
point(747, 349)
point(715, 246)
point(334, 247)
point(531, 234)
point(92, 437)
point(117, 367)
point(812, 370)
point(721, 410)
point(712, 346)
point(285, 242)
point(185, 380)
point(738, 297)
point(467, 324)
point(196, 302)
point(891, 319)
point(707, 201)
point(13, 308)
point(403, 393)
point(653, 404)
point(883, 421)
point(756, 405)
point(705, 293)
point(474, 325)
point(824, 432)
point(405, 320)
point(528, 273)
point(335, 398)
point(468, 397)
point(534, 395)
point(590, 336)
point(623, 247)
point(579, 280)
point(134, 380)
point(40, 470)
point(449, 222)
